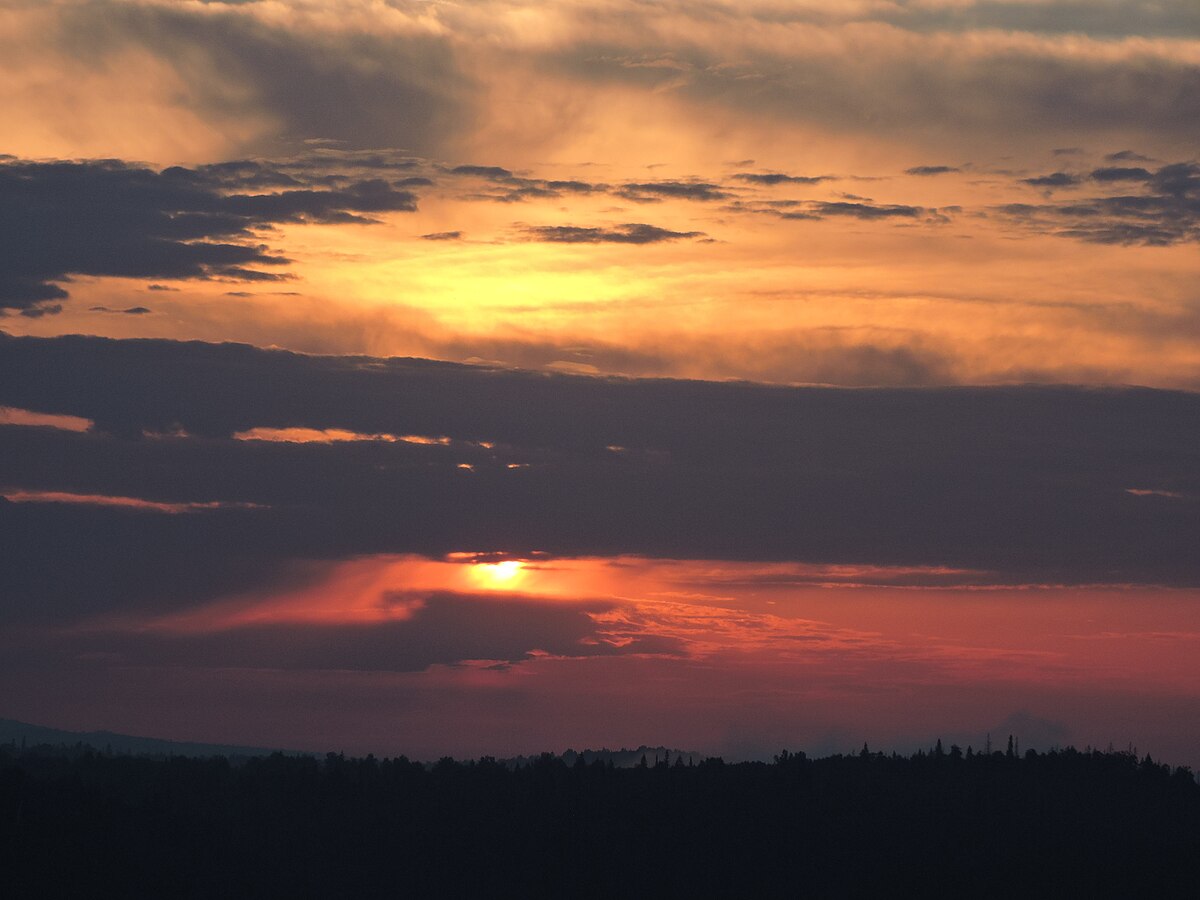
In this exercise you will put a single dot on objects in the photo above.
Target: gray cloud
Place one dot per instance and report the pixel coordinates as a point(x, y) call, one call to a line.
point(425, 88)
point(1165, 212)
point(867, 210)
point(128, 311)
point(1119, 173)
point(60, 219)
point(1053, 180)
point(929, 89)
point(774, 178)
point(643, 192)
point(444, 629)
point(512, 188)
point(856, 208)
point(629, 233)
point(1127, 156)
point(360, 88)
point(1099, 18)
point(493, 173)
point(931, 170)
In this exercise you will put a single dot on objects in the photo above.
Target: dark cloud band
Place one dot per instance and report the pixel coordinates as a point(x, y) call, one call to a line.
point(1029, 484)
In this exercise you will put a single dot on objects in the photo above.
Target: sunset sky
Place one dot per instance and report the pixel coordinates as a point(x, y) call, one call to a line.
point(490, 377)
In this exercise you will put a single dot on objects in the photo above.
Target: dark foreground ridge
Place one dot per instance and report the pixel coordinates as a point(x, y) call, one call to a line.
point(939, 824)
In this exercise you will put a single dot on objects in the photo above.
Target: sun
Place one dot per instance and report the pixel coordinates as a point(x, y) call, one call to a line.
point(499, 574)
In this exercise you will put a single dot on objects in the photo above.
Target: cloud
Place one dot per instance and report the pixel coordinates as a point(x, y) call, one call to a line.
point(1153, 492)
point(521, 193)
point(442, 236)
point(1116, 173)
point(135, 504)
point(59, 219)
point(630, 233)
point(359, 85)
point(774, 178)
point(1127, 156)
point(643, 192)
point(1054, 179)
point(867, 210)
point(492, 173)
point(817, 356)
point(514, 189)
point(1146, 18)
point(1165, 211)
point(508, 187)
point(329, 435)
point(854, 207)
point(931, 170)
point(319, 167)
point(1027, 484)
point(442, 80)
point(128, 311)
point(442, 629)
point(572, 186)
point(11, 416)
point(927, 87)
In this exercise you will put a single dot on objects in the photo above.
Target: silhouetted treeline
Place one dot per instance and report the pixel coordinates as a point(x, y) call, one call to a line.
point(937, 824)
point(622, 759)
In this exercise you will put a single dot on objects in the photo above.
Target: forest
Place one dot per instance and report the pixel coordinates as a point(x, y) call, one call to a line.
point(76, 822)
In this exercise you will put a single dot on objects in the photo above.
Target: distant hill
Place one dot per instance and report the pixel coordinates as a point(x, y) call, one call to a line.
point(17, 733)
point(20, 734)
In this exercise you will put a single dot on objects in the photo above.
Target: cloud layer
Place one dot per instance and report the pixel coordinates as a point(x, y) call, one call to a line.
point(257, 77)
point(111, 218)
point(1156, 208)
point(1041, 485)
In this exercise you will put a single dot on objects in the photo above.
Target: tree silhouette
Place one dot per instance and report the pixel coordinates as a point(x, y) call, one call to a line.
point(74, 822)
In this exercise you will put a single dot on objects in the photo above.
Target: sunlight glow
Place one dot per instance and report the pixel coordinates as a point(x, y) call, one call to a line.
point(498, 575)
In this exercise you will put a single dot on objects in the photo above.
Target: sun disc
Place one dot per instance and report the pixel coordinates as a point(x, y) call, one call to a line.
point(499, 574)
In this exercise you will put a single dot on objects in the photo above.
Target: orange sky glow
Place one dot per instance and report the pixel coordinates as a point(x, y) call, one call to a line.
point(442, 377)
point(819, 651)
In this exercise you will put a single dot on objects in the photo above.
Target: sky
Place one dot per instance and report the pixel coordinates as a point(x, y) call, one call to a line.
point(495, 377)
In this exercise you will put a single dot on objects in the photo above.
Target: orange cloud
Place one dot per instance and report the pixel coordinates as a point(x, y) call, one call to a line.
point(12, 416)
point(329, 436)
